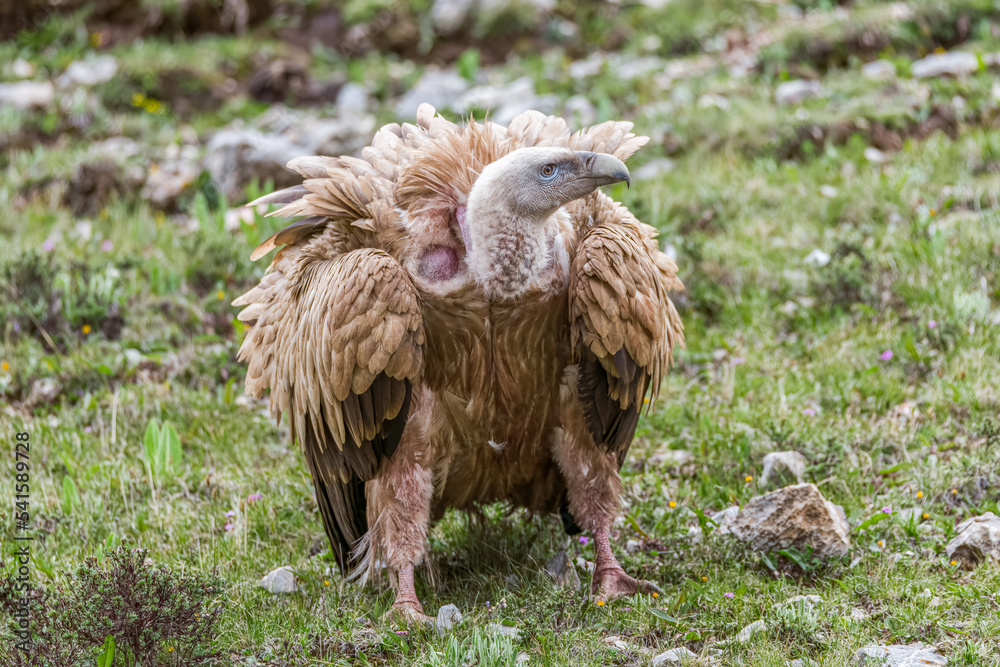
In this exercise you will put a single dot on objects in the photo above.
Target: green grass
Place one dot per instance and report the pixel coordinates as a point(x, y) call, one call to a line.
point(781, 356)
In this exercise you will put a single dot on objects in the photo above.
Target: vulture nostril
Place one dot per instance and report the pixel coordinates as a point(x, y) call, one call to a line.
point(590, 162)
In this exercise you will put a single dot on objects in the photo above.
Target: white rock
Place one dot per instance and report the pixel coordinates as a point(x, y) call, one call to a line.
point(448, 617)
point(670, 457)
point(817, 258)
point(875, 156)
point(675, 656)
point(25, 95)
point(653, 169)
point(898, 656)
point(280, 580)
point(859, 614)
point(795, 516)
point(725, 519)
point(955, 63)
point(352, 100)
point(22, 69)
point(632, 546)
point(492, 98)
point(978, 538)
point(585, 565)
point(440, 89)
point(797, 91)
point(508, 112)
point(447, 16)
point(44, 390)
point(828, 191)
point(777, 463)
point(501, 629)
point(88, 72)
point(879, 69)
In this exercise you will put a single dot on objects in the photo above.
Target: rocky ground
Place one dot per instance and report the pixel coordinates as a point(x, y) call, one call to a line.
point(819, 482)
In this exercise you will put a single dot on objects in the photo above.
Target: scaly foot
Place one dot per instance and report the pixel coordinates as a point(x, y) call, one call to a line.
point(611, 583)
point(409, 613)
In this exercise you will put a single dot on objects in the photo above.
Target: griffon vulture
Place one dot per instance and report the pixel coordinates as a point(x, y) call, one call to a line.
point(462, 317)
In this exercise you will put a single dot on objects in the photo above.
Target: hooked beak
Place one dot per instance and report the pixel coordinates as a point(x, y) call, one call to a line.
point(603, 169)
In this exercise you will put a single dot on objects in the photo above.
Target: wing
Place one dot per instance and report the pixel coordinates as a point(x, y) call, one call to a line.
point(533, 128)
point(339, 340)
point(623, 326)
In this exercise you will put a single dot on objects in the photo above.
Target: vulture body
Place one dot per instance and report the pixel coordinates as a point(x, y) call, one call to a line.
point(462, 317)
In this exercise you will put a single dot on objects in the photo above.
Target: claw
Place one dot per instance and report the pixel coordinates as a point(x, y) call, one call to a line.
point(409, 614)
point(612, 584)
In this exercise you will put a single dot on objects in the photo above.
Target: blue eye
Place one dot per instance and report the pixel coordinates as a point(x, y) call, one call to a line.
point(548, 171)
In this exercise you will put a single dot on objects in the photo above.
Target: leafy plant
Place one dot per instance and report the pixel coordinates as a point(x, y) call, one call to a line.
point(163, 447)
point(148, 607)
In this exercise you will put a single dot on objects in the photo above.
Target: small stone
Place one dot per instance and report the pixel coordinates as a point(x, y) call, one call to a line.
point(817, 258)
point(561, 569)
point(797, 91)
point(828, 191)
point(44, 390)
point(875, 156)
point(859, 614)
point(501, 629)
point(22, 69)
point(978, 538)
point(448, 617)
point(632, 546)
point(795, 516)
point(25, 95)
point(663, 458)
point(675, 656)
point(447, 16)
point(898, 656)
point(585, 565)
point(725, 518)
point(956, 63)
point(440, 89)
point(522, 658)
point(878, 69)
point(493, 97)
point(88, 72)
point(783, 464)
point(352, 100)
point(280, 580)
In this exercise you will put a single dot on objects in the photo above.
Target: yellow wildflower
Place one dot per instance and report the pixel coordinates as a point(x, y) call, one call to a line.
point(86, 329)
point(881, 543)
point(920, 494)
point(704, 578)
point(954, 562)
point(138, 99)
point(600, 603)
point(655, 594)
point(672, 504)
point(748, 479)
point(170, 649)
point(5, 366)
point(926, 515)
point(220, 295)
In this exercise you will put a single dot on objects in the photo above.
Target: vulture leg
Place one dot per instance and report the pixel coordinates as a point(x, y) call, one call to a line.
point(399, 513)
point(594, 489)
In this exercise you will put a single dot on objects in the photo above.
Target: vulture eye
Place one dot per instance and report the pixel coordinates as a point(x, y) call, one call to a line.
point(549, 170)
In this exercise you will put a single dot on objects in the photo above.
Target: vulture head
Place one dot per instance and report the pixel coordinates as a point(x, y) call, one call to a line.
point(507, 226)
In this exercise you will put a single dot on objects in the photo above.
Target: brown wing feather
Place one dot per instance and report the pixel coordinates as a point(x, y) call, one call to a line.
point(339, 340)
point(623, 325)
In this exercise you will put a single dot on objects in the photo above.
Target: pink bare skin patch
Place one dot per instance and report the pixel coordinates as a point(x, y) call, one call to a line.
point(464, 228)
point(439, 263)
